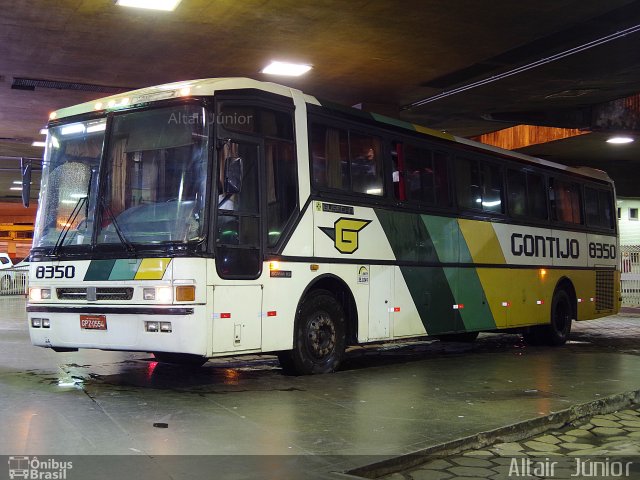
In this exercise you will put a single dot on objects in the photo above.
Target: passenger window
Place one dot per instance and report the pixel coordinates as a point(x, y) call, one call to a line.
point(366, 164)
point(526, 194)
point(426, 179)
point(565, 201)
point(479, 185)
point(468, 183)
point(599, 208)
point(346, 160)
point(329, 157)
point(282, 188)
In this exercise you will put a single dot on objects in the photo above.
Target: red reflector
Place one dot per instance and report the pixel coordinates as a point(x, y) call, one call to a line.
point(225, 315)
point(396, 309)
point(272, 314)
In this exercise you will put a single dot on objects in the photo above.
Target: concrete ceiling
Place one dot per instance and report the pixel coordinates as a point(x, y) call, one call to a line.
point(385, 55)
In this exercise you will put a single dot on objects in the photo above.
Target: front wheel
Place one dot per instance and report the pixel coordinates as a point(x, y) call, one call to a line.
point(319, 336)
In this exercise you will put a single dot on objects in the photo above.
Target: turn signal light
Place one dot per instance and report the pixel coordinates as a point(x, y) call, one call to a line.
point(186, 293)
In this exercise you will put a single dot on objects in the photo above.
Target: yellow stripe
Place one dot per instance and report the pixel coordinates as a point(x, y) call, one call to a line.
point(482, 242)
point(152, 268)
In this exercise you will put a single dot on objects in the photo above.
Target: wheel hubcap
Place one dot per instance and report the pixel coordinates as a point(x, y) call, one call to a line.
point(321, 336)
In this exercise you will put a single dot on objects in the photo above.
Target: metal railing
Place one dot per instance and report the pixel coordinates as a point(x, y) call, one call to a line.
point(13, 281)
point(630, 275)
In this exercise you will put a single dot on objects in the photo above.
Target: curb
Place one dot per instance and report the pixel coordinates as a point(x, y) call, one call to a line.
point(510, 433)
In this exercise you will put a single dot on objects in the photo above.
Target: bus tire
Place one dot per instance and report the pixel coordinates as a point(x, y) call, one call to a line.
point(557, 332)
point(463, 337)
point(186, 359)
point(319, 336)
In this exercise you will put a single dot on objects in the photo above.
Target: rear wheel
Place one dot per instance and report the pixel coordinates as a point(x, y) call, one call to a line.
point(180, 358)
point(319, 336)
point(557, 332)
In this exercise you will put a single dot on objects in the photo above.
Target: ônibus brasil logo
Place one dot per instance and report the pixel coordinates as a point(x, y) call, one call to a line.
point(35, 469)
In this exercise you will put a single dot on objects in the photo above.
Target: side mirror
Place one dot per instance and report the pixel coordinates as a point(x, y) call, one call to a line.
point(25, 167)
point(233, 175)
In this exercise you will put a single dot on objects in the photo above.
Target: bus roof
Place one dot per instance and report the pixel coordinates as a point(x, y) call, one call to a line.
point(208, 86)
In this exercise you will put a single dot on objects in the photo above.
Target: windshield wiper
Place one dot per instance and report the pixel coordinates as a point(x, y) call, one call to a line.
point(127, 244)
point(67, 224)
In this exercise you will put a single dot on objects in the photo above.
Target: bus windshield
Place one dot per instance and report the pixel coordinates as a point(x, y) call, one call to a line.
point(68, 175)
point(152, 180)
point(155, 177)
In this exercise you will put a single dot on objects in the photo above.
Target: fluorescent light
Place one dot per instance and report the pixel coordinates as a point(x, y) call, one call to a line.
point(284, 68)
point(15, 188)
point(73, 128)
point(620, 140)
point(99, 127)
point(166, 5)
point(39, 144)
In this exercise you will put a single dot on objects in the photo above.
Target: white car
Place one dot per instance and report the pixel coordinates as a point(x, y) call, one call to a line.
point(13, 277)
point(6, 278)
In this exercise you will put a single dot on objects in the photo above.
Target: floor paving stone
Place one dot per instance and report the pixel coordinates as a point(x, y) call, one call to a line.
point(579, 432)
point(548, 439)
point(430, 475)
point(576, 446)
point(472, 462)
point(607, 431)
point(472, 472)
point(604, 422)
point(541, 447)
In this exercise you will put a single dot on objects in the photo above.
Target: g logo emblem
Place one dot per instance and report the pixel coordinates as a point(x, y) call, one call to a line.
point(345, 233)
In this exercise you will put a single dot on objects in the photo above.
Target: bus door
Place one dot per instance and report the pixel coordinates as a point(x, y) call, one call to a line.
point(237, 299)
point(380, 301)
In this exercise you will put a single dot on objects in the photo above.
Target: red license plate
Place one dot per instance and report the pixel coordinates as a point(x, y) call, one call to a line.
point(93, 322)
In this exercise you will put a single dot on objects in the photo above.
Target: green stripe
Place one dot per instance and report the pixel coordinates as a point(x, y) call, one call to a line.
point(435, 290)
point(125, 269)
point(99, 270)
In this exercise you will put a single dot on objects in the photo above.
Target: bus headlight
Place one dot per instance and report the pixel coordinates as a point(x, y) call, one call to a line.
point(149, 293)
point(164, 294)
point(161, 294)
point(39, 294)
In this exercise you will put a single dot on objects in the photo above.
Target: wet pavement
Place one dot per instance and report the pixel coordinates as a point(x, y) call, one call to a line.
point(388, 400)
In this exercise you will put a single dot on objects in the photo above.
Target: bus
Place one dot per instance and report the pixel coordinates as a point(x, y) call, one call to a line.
point(230, 216)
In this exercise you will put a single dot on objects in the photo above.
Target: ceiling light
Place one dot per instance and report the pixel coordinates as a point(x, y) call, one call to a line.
point(620, 140)
point(73, 128)
point(39, 144)
point(284, 68)
point(43, 131)
point(166, 5)
point(98, 127)
point(15, 188)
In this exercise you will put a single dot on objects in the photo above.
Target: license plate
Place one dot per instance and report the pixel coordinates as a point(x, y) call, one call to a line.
point(93, 322)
